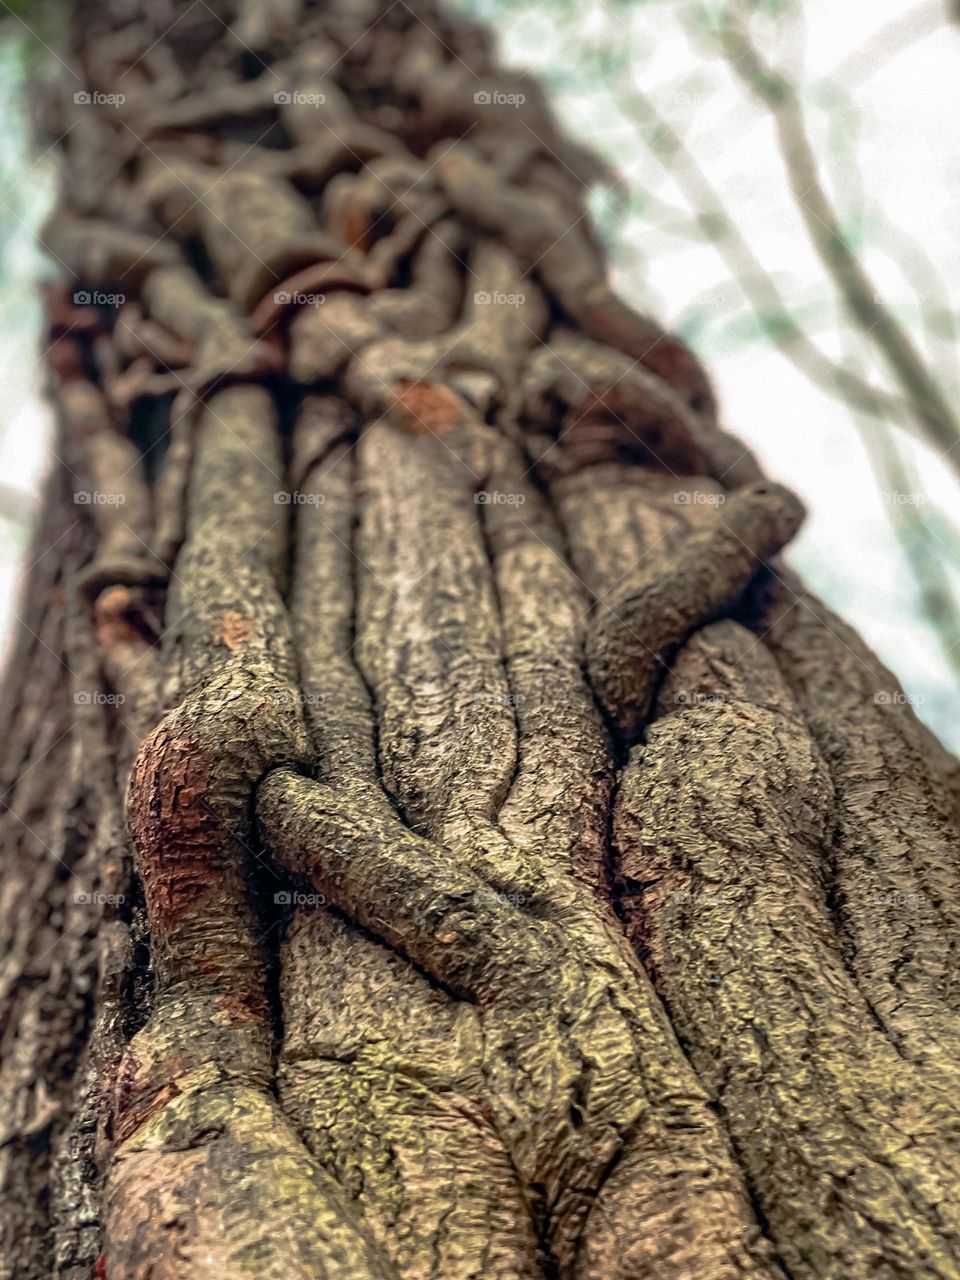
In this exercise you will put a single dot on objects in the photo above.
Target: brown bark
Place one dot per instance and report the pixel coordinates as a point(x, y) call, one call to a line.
point(488, 865)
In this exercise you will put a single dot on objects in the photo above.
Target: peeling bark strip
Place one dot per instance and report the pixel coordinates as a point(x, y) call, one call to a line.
point(519, 880)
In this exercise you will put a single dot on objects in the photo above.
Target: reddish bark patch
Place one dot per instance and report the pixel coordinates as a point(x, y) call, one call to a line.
point(125, 1092)
point(233, 630)
point(117, 618)
point(426, 408)
point(142, 1103)
point(245, 1007)
point(350, 221)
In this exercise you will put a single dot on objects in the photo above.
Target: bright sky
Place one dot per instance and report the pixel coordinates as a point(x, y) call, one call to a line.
point(904, 132)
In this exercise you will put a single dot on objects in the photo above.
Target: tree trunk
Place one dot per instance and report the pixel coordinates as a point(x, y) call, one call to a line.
point(442, 841)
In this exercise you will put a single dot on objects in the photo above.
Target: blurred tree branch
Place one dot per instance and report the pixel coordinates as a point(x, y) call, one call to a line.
point(899, 33)
point(927, 402)
point(916, 531)
point(749, 273)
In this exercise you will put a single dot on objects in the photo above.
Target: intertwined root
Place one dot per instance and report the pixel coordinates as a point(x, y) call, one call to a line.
point(512, 910)
point(730, 904)
point(204, 1157)
point(642, 625)
point(728, 866)
point(579, 1068)
point(894, 851)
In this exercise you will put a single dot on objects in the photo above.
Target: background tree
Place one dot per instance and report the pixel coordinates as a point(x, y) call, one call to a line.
point(440, 837)
point(663, 90)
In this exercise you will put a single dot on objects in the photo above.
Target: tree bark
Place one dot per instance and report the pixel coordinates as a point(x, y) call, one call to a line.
point(441, 839)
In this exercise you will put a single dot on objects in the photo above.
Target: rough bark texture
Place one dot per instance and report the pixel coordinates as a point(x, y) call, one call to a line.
point(441, 840)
